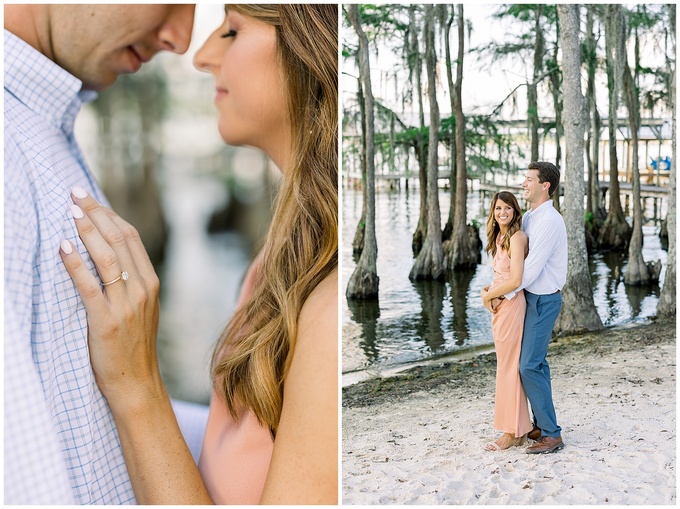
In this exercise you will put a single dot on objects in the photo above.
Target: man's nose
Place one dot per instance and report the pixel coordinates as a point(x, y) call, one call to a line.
point(175, 35)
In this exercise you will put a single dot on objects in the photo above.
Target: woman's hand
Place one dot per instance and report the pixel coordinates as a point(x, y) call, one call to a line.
point(122, 316)
point(486, 302)
point(490, 303)
point(122, 319)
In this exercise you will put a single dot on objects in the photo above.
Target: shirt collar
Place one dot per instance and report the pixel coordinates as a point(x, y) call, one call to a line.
point(43, 86)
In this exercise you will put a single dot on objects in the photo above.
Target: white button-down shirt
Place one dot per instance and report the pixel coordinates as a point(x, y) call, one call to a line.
point(61, 443)
point(545, 268)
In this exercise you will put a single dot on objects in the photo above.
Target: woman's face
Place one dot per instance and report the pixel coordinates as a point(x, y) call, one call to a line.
point(503, 213)
point(249, 84)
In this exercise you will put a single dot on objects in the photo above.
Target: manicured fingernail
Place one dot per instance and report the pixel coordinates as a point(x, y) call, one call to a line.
point(79, 192)
point(66, 247)
point(77, 212)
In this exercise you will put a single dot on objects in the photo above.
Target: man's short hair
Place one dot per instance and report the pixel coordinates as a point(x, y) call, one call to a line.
point(547, 172)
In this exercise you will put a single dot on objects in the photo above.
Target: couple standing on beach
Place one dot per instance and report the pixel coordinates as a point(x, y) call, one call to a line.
point(530, 269)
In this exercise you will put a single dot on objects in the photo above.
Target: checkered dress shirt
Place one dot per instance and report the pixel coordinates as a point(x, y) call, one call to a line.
point(61, 444)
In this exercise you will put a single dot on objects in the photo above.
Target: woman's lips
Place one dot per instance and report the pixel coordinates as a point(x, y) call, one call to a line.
point(220, 93)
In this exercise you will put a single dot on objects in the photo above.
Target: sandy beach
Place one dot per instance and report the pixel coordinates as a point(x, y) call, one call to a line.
point(418, 438)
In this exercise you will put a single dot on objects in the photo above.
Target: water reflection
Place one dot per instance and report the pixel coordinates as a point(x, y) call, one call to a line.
point(366, 313)
point(415, 321)
point(200, 280)
point(432, 294)
point(460, 297)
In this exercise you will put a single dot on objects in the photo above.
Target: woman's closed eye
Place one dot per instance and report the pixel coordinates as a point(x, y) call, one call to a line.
point(230, 33)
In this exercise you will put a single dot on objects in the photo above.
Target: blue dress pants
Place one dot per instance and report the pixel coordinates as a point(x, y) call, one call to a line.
point(542, 311)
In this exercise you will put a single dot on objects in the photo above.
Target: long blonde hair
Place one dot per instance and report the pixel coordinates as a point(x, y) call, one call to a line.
point(301, 247)
point(493, 228)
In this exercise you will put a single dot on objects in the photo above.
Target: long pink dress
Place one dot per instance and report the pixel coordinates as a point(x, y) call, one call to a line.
point(507, 325)
point(236, 453)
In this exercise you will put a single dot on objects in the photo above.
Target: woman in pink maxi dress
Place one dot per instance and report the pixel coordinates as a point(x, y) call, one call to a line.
point(504, 232)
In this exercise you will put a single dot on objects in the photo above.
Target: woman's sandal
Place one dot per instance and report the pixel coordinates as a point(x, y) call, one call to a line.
point(492, 447)
point(517, 442)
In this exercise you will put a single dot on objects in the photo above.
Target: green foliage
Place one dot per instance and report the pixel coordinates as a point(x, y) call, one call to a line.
point(589, 221)
point(349, 51)
point(380, 21)
point(521, 12)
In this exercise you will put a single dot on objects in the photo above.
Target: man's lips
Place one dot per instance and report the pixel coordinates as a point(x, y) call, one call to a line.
point(133, 61)
point(142, 58)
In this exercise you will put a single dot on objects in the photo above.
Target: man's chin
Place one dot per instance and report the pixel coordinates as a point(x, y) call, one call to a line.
point(99, 84)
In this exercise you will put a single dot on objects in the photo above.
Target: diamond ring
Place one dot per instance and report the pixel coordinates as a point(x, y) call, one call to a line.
point(123, 275)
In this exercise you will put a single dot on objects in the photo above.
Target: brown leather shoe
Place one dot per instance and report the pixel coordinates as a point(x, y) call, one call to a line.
point(545, 445)
point(534, 434)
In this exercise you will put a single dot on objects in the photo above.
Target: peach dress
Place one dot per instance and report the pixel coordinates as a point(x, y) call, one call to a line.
point(507, 325)
point(235, 456)
point(236, 453)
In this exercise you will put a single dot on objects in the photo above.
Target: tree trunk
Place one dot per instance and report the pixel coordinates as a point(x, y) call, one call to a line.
point(666, 306)
point(463, 256)
point(578, 307)
point(363, 283)
point(448, 229)
point(615, 233)
point(430, 261)
point(421, 150)
point(421, 230)
point(144, 201)
point(359, 234)
point(128, 181)
point(392, 165)
point(532, 91)
point(555, 88)
point(637, 273)
point(595, 211)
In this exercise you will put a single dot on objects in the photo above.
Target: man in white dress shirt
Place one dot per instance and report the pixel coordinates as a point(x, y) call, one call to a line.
point(545, 273)
point(61, 445)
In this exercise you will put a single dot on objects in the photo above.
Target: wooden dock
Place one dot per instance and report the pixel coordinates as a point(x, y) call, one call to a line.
point(646, 190)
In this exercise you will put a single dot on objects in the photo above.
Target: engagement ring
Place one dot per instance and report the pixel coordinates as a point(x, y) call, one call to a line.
point(123, 275)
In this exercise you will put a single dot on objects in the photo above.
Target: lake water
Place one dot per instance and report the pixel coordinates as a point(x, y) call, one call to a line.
point(424, 320)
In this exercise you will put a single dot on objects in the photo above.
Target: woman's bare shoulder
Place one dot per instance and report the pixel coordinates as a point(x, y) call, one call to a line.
point(519, 236)
point(321, 307)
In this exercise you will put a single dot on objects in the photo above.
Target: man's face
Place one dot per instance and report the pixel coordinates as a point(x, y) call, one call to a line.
point(96, 43)
point(534, 191)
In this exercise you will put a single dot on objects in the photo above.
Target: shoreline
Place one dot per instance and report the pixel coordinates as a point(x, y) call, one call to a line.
point(350, 378)
point(418, 437)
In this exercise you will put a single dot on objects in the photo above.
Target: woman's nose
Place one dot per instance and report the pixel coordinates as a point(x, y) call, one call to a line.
point(206, 58)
